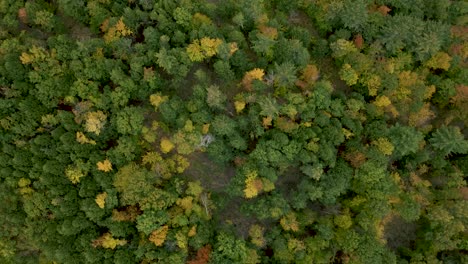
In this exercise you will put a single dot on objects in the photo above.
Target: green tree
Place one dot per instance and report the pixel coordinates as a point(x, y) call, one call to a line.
point(129, 121)
point(354, 15)
point(449, 139)
point(215, 97)
point(292, 51)
point(229, 249)
point(134, 183)
point(284, 75)
point(223, 125)
point(405, 139)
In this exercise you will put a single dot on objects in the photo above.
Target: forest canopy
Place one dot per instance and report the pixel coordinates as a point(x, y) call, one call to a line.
point(233, 131)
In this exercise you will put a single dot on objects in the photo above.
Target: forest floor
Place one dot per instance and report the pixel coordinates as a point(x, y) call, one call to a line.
point(215, 179)
point(330, 71)
point(212, 176)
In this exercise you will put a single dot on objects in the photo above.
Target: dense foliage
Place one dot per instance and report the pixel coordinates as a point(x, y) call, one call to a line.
point(233, 131)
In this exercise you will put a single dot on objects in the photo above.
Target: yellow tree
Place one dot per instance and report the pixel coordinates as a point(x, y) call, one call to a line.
point(373, 83)
point(157, 99)
point(253, 185)
point(35, 54)
point(203, 48)
point(256, 235)
point(82, 139)
point(116, 31)
point(95, 122)
point(129, 214)
point(186, 203)
point(289, 222)
point(101, 200)
point(439, 61)
point(158, 236)
point(166, 145)
point(255, 74)
point(107, 241)
point(104, 165)
point(421, 117)
point(309, 75)
point(348, 74)
point(75, 173)
point(384, 146)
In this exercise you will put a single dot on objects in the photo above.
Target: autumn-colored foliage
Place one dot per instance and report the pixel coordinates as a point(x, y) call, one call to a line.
point(373, 83)
point(116, 31)
point(289, 222)
point(83, 139)
point(129, 213)
point(382, 101)
point(104, 165)
point(253, 185)
point(107, 241)
point(256, 235)
point(203, 255)
point(74, 174)
point(310, 75)
point(384, 146)
point(421, 117)
point(255, 74)
point(158, 236)
point(239, 105)
point(199, 18)
point(157, 99)
point(101, 199)
point(266, 121)
point(269, 32)
point(23, 15)
point(95, 122)
point(459, 31)
point(35, 54)
point(439, 61)
point(462, 94)
point(166, 145)
point(186, 203)
point(203, 48)
point(384, 10)
point(356, 158)
point(359, 41)
point(348, 74)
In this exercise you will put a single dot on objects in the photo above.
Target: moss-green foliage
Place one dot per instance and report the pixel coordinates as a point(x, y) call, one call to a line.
point(234, 131)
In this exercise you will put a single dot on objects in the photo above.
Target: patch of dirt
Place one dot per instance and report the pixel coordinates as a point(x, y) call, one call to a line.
point(77, 30)
point(464, 193)
point(289, 181)
point(231, 215)
point(327, 67)
point(399, 233)
point(213, 177)
point(330, 71)
point(184, 88)
point(300, 18)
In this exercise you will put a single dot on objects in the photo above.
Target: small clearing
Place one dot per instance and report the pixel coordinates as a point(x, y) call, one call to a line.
point(212, 176)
